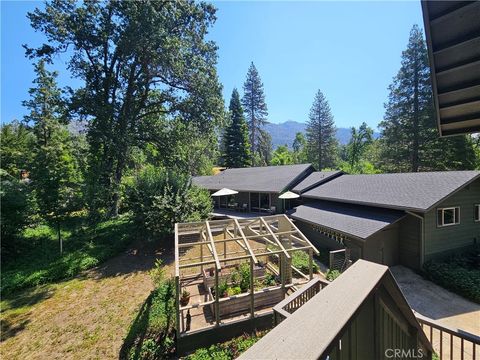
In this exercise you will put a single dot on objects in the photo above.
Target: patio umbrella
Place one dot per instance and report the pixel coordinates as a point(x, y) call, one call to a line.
point(288, 195)
point(224, 192)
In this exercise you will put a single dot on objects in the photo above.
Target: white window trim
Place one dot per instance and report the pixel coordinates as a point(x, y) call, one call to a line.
point(443, 216)
point(476, 209)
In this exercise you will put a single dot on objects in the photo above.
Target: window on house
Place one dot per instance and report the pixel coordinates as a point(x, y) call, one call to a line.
point(477, 212)
point(448, 216)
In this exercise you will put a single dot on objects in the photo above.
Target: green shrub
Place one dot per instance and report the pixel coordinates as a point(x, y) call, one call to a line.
point(159, 199)
point(228, 350)
point(301, 261)
point(84, 248)
point(459, 274)
point(152, 334)
point(332, 274)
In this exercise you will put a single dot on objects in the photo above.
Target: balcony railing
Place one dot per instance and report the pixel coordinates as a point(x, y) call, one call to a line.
point(449, 343)
point(293, 302)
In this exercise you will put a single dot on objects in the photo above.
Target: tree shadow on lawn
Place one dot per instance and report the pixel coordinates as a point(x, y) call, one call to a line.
point(139, 257)
point(16, 308)
point(132, 345)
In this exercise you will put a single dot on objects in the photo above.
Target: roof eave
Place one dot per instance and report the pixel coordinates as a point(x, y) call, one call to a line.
point(364, 203)
point(453, 192)
point(330, 228)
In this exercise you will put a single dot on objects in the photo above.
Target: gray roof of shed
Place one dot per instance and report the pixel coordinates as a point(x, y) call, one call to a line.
point(254, 179)
point(409, 191)
point(356, 220)
point(308, 332)
point(315, 178)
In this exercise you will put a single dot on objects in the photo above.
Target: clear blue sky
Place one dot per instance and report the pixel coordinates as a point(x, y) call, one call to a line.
point(349, 50)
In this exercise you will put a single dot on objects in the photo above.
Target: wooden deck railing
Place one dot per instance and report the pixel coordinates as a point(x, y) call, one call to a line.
point(293, 302)
point(449, 343)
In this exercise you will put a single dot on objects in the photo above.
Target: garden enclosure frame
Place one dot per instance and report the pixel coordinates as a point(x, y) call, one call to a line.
point(217, 245)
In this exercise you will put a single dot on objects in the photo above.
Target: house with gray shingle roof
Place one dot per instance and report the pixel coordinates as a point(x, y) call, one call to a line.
point(405, 218)
point(258, 187)
point(314, 179)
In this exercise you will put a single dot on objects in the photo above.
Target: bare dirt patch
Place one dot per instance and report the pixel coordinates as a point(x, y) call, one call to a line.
point(84, 318)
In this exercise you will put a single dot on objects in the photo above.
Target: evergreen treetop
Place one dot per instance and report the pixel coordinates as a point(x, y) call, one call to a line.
point(235, 141)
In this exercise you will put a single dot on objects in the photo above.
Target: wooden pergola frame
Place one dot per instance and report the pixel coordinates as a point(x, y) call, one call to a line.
point(276, 234)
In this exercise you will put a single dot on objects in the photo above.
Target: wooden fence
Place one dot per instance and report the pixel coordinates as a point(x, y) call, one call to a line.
point(450, 343)
point(293, 302)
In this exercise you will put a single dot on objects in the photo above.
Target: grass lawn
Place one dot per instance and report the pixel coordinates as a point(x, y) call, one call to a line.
point(87, 317)
point(84, 247)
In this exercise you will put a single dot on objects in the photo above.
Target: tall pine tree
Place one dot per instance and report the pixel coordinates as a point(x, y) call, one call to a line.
point(320, 133)
point(410, 140)
point(235, 142)
point(54, 174)
point(256, 113)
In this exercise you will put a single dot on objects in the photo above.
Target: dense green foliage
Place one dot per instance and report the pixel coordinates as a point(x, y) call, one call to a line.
point(410, 140)
point(256, 113)
point(301, 261)
point(16, 206)
point(320, 134)
point(84, 247)
point(139, 62)
point(16, 138)
point(332, 274)
point(358, 145)
point(228, 350)
point(151, 335)
point(53, 169)
point(239, 281)
point(460, 274)
point(282, 156)
point(159, 198)
point(236, 145)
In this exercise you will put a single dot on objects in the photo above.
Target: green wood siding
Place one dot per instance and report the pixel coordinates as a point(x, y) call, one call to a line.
point(321, 242)
point(382, 247)
point(409, 245)
point(378, 329)
point(440, 241)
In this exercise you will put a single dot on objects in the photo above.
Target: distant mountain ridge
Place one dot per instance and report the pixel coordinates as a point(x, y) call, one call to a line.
point(284, 133)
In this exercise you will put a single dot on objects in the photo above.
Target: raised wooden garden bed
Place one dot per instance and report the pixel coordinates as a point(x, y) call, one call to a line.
point(241, 303)
point(225, 273)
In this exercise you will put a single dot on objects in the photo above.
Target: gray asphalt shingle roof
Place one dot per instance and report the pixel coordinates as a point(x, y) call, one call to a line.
point(254, 179)
point(315, 178)
point(359, 221)
point(409, 191)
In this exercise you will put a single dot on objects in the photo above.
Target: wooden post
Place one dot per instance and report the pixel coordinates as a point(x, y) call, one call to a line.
point(217, 299)
point(310, 263)
point(177, 305)
point(225, 243)
point(252, 290)
point(201, 256)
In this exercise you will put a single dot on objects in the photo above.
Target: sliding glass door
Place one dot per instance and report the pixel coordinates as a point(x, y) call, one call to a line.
point(260, 202)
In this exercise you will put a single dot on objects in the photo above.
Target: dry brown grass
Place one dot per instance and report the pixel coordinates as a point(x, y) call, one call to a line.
point(84, 318)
